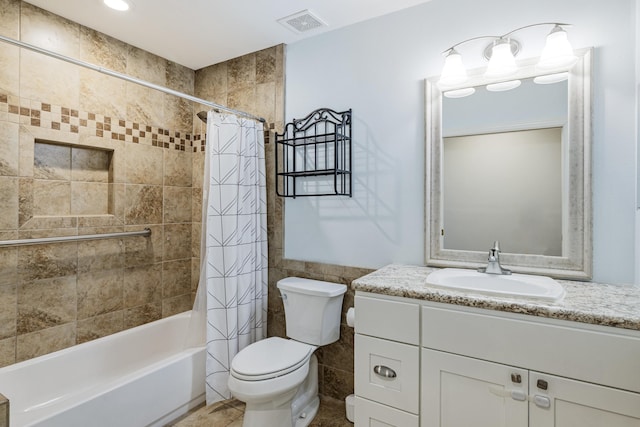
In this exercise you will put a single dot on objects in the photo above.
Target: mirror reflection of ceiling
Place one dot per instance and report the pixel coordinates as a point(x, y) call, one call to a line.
point(504, 186)
point(506, 176)
point(528, 106)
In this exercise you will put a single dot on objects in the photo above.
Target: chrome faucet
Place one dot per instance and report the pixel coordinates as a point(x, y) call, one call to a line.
point(493, 266)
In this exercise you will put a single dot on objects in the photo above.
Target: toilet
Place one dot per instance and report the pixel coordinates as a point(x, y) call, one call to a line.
point(277, 378)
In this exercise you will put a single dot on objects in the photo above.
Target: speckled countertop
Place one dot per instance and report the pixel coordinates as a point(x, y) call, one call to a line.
point(586, 302)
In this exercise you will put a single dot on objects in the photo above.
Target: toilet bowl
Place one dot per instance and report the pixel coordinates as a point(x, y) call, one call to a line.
point(277, 378)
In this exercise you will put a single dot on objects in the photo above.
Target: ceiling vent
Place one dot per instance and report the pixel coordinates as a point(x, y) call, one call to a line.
point(302, 22)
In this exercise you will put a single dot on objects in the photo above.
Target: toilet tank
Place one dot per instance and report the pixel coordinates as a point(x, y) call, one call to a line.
point(312, 309)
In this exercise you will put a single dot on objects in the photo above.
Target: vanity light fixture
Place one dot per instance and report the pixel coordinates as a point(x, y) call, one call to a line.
point(120, 5)
point(557, 50)
point(501, 52)
point(502, 60)
point(453, 72)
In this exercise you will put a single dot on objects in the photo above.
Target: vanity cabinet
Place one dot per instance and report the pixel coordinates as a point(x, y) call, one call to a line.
point(462, 391)
point(458, 366)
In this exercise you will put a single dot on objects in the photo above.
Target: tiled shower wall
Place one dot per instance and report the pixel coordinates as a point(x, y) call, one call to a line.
point(84, 153)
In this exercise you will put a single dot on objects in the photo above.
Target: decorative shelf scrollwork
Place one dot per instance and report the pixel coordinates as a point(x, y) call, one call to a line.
point(313, 155)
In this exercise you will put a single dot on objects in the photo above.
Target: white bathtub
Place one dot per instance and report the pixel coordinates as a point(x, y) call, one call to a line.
point(139, 377)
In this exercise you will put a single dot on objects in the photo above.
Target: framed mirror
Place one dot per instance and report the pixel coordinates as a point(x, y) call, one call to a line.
point(513, 166)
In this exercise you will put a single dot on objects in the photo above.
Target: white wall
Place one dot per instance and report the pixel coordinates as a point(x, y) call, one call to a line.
point(378, 67)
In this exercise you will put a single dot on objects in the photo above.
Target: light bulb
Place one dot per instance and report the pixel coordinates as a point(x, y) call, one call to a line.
point(453, 71)
point(557, 51)
point(502, 62)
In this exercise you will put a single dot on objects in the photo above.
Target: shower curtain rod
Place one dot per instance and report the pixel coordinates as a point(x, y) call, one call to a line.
point(128, 78)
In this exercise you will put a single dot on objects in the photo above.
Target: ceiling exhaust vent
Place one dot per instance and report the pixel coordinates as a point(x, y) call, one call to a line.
point(302, 22)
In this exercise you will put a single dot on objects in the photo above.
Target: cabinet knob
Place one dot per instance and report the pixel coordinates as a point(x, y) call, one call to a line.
point(384, 371)
point(542, 384)
point(516, 378)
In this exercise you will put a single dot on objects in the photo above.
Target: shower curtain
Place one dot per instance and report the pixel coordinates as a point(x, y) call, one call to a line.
point(234, 244)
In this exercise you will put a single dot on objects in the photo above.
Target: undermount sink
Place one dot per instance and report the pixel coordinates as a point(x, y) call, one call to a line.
point(511, 286)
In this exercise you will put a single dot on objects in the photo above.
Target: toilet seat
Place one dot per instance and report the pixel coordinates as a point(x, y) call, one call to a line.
point(270, 358)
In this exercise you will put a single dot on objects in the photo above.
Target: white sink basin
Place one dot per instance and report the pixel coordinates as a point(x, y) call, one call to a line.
point(510, 286)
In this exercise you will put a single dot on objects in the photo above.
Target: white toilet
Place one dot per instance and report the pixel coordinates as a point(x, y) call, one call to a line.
point(277, 378)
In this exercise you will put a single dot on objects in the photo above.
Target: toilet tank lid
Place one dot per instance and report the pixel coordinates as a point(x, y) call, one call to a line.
point(311, 287)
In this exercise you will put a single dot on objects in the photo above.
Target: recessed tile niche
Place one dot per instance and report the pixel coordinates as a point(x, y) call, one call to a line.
point(71, 180)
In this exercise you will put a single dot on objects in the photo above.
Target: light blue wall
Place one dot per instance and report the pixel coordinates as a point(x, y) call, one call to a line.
point(378, 68)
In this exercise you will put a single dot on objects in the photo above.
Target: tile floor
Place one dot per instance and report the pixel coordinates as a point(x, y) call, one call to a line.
point(229, 414)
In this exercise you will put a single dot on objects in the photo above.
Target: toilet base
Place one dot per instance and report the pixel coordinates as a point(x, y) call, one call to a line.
point(308, 413)
point(306, 401)
point(296, 410)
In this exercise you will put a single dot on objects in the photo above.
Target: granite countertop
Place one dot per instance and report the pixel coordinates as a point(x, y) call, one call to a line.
point(586, 302)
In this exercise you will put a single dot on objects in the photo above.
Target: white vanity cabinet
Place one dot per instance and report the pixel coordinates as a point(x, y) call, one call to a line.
point(485, 368)
point(461, 391)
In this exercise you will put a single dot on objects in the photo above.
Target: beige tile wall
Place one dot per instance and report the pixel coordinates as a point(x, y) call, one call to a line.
point(123, 162)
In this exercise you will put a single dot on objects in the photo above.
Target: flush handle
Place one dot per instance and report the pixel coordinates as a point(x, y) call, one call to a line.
point(384, 371)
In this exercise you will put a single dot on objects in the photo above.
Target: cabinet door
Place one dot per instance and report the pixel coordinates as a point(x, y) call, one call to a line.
point(459, 391)
point(560, 402)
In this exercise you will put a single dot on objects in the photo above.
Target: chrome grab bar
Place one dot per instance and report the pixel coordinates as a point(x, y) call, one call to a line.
point(44, 240)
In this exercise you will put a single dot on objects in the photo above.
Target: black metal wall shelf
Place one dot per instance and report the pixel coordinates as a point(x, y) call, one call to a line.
point(317, 146)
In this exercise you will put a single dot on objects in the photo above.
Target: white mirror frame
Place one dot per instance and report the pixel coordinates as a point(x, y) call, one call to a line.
point(576, 260)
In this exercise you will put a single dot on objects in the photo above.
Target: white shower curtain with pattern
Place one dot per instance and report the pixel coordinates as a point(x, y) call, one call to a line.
point(234, 244)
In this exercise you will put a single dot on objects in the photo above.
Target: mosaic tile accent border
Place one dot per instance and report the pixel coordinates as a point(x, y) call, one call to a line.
point(35, 113)
point(55, 117)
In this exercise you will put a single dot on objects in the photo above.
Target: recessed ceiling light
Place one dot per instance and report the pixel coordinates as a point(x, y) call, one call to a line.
point(121, 5)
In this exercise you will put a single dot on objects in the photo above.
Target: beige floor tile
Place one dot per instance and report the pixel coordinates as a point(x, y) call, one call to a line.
point(229, 414)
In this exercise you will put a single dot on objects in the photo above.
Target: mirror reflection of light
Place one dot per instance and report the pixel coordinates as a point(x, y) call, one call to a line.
point(551, 78)
point(460, 93)
point(502, 86)
point(120, 5)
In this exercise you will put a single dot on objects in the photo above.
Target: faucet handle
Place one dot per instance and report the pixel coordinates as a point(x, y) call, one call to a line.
point(496, 246)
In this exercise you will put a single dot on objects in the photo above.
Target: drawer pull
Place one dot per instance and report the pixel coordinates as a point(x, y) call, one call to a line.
point(384, 371)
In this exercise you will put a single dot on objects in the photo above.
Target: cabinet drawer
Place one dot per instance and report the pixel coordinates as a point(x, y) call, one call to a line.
point(370, 413)
point(393, 320)
point(401, 362)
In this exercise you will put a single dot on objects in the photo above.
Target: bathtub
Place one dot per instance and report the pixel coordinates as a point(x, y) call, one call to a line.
point(143, 376)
